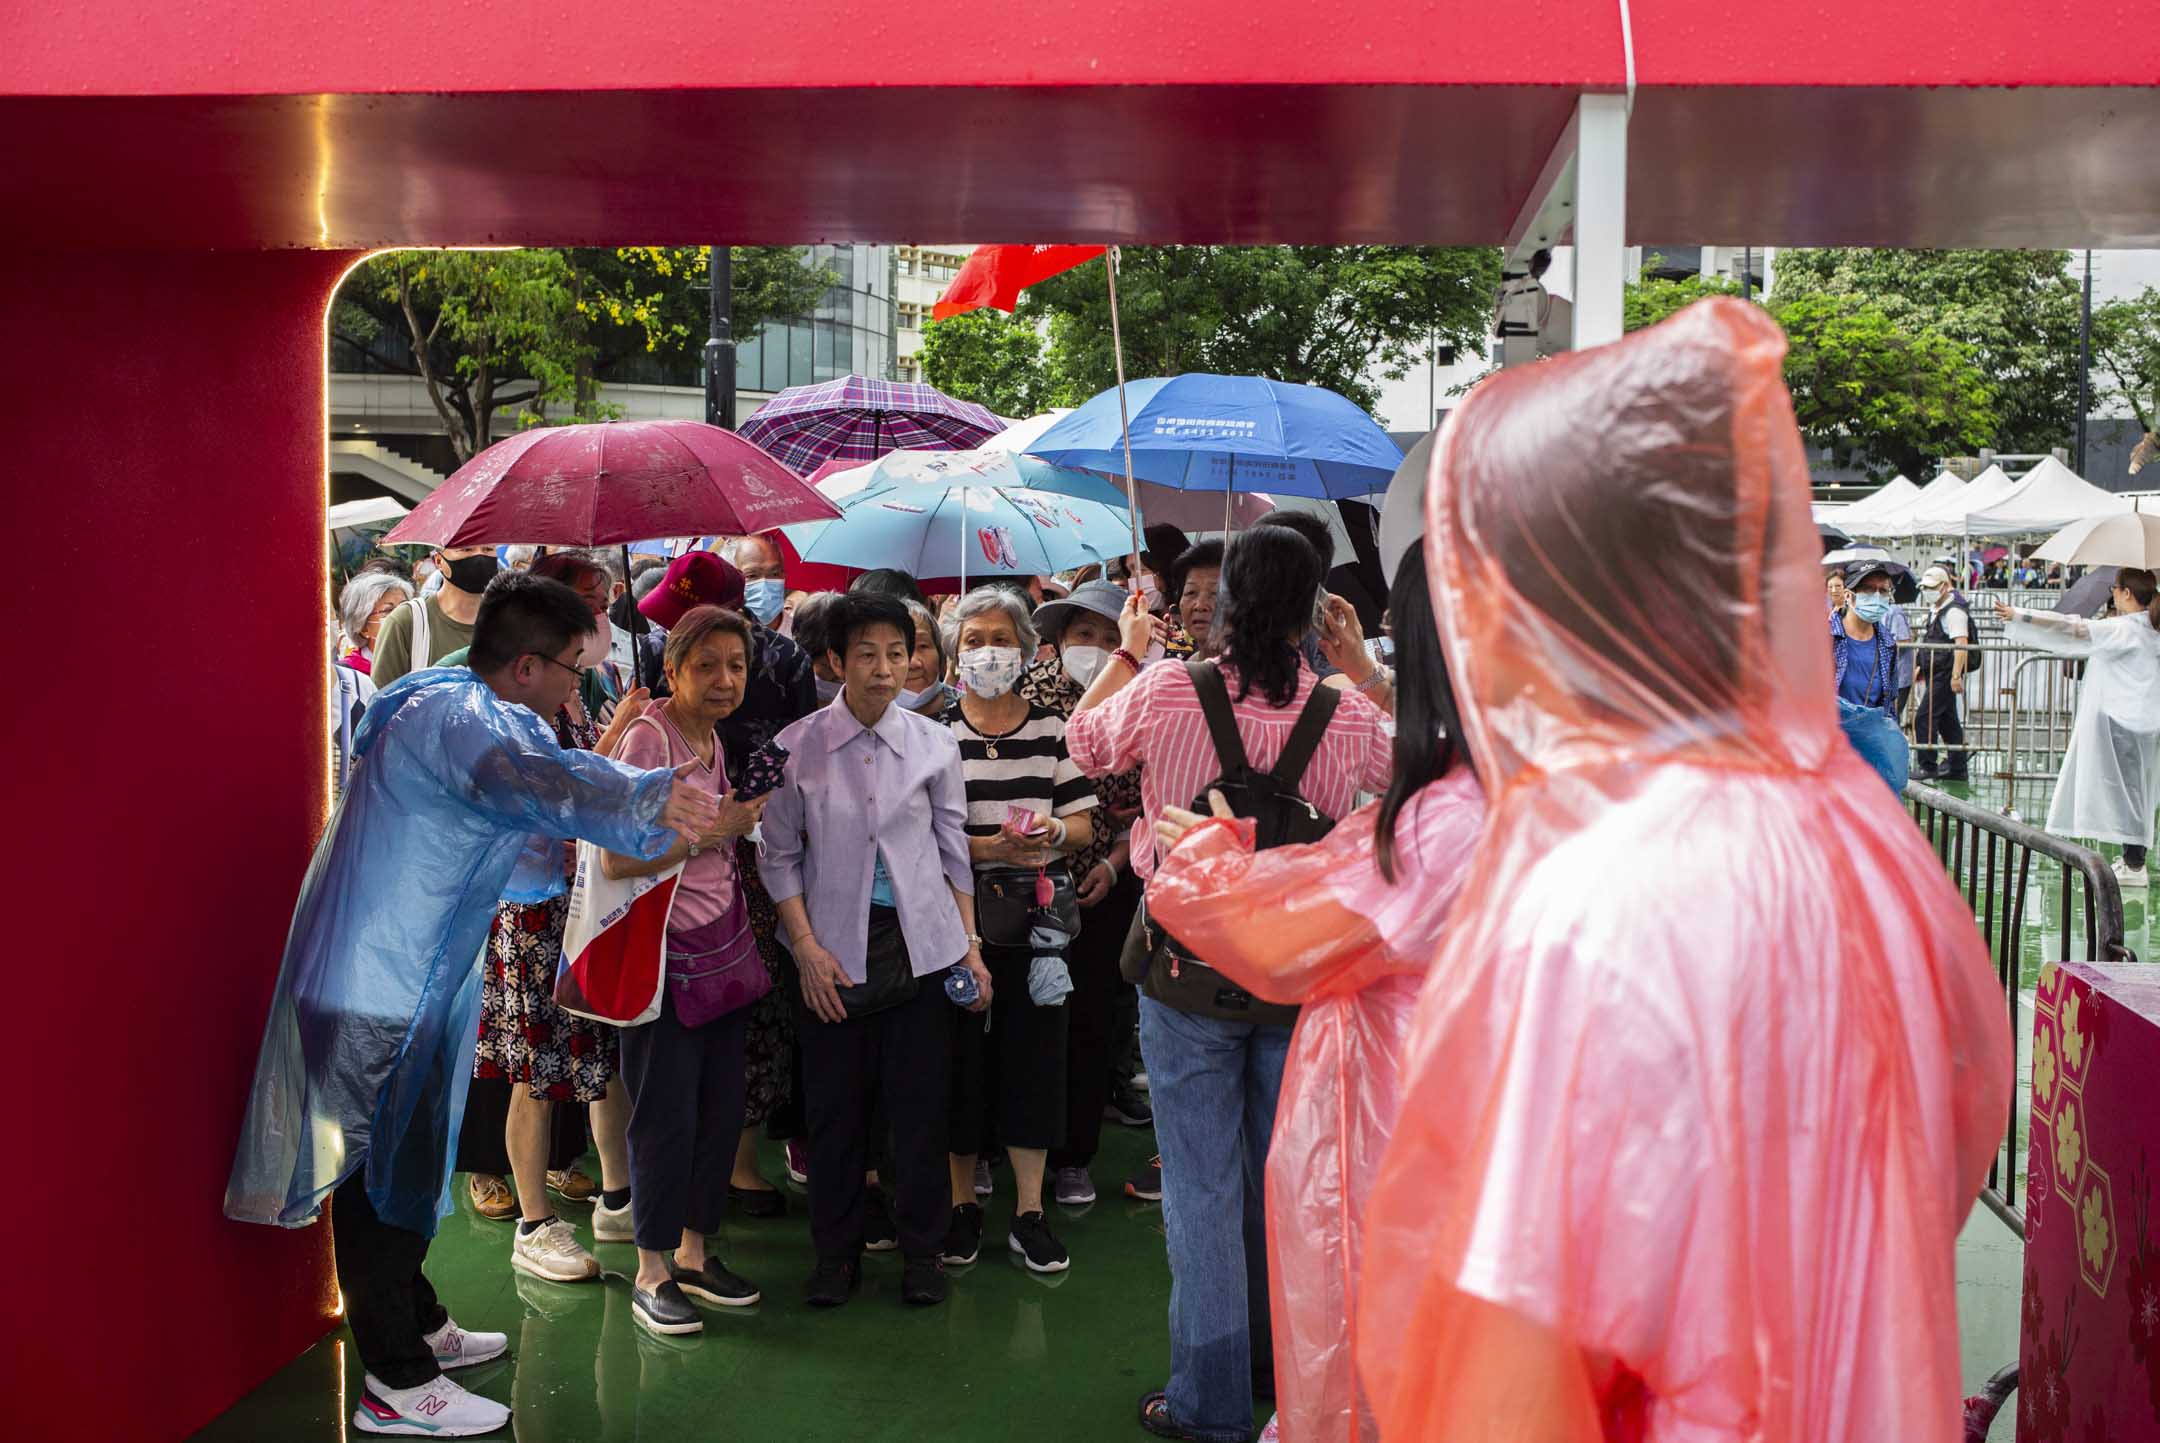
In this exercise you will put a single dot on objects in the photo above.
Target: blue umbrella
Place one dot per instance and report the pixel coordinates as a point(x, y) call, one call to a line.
point(964, 531)
point(1200, 432)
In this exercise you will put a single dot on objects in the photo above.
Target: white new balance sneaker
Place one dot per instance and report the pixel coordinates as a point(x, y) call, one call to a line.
point(2128, 877)
point(613, 1225)
point(456, 1348)
point(552, 1251)
point(437, 1409)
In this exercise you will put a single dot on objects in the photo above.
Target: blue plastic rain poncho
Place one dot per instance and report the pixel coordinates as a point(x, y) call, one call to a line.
point(369, 1047)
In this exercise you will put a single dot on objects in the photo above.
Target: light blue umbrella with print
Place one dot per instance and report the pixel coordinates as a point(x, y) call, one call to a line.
point(960, 530)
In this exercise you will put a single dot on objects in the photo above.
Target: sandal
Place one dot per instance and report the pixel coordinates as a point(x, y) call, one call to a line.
point(1156, 1418)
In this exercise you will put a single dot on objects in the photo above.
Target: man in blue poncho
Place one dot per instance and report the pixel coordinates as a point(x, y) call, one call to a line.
point(457, 787)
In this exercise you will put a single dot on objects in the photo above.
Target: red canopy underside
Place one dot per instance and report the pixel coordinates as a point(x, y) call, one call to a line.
point(381, 123)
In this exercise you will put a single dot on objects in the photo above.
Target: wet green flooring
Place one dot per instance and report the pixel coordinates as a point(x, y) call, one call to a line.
point(1012, 1355)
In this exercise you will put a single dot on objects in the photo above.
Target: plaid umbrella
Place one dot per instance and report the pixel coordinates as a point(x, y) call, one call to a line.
point(856, 419)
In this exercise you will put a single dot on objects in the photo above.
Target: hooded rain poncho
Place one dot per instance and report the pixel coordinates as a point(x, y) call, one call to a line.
point(2111, 770)
point(1712, 1062)
point(369, 1046)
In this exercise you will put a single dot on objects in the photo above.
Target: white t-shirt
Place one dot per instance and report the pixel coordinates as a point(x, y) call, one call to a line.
point(1955, 623)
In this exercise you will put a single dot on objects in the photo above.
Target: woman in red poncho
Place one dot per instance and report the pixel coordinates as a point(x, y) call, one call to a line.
point(1712, 1062)
point(1347, 927)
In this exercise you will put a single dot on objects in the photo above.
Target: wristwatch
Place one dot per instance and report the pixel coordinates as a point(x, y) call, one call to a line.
point(974, 941)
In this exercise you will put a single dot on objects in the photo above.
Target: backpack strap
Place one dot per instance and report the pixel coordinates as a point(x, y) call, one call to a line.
point(1312, 725)
point(1221, 720)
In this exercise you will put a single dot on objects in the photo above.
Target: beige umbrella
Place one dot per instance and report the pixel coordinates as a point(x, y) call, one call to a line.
point(2132, 540)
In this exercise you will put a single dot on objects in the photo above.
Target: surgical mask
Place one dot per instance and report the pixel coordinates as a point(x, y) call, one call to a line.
point(472, 573)
point(765, 599)
point(914, 700)
point(827, 690)
point(1152, 590)
point(1871, 606)
point(990, 671)
point(1084, 663)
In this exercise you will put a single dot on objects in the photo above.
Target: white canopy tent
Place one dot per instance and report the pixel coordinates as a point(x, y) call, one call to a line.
point(1856, 518)
point(2047, 498)
point(1945, 516)
point(1899, 520)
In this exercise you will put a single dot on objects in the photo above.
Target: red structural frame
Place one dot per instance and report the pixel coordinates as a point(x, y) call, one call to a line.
point(183, 185)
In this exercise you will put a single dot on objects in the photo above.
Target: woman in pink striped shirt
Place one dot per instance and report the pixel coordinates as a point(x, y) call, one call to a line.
point(1215, 1066)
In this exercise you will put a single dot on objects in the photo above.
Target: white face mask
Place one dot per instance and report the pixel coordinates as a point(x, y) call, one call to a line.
point(990, 671)
point(1084, 663)
point(913, 700)
point(827, 690)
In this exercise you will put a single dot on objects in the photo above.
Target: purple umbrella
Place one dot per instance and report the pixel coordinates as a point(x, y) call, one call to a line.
point(855, 419)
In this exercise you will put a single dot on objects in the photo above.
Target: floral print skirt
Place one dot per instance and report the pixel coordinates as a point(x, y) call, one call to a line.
point(524, 1037)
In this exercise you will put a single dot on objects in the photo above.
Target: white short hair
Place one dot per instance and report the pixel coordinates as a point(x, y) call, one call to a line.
point(732, 548)
point(981, 602)
point(362, 594)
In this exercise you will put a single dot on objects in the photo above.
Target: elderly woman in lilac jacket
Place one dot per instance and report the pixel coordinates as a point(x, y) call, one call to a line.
point(865, 853)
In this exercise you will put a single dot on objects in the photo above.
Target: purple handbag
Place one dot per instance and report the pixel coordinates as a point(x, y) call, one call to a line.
point(716, 969)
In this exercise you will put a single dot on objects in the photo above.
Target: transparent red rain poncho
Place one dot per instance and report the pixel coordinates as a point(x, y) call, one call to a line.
point(1712, 1061)
point(1319, 925)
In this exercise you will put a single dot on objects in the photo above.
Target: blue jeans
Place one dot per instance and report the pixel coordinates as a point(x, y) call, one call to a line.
point(1213, 1085)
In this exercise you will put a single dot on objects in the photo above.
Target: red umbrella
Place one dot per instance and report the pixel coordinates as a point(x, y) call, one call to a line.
point(612, 483)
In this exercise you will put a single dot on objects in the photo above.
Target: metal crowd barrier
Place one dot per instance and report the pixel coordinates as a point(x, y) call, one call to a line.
point(2018, 706)
point(2019, 879)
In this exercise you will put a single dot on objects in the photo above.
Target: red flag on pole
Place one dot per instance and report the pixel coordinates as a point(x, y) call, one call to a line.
point(996, 275)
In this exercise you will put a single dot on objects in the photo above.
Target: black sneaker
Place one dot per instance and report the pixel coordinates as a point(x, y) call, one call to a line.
point(1146, 1184)
point(664, 1310)
point(879, 1234)
point(715, 1284)
point(922, 1284)
point(1032, 1239)
point(832, 1282)
point(1129, 1105)
point(963, 1239)
point(757, 1202)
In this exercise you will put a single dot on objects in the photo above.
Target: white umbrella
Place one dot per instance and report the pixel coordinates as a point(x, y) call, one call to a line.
point(2127, 540)
point(360, 513)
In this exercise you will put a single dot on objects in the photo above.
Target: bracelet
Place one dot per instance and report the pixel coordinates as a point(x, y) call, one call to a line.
point(1063, 831)
point(1379, 674)
point(1121, 654)
point(974, 941)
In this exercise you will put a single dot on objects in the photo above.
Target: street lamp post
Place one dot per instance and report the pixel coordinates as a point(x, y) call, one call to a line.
point(2084, 364)
point(720, 347)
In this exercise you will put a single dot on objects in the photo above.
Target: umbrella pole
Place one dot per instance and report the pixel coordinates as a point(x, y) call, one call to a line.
point(637, 626)
point(963, 539)
point(1117, 350)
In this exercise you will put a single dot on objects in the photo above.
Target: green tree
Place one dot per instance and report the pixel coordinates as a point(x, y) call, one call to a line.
point(513, 338)
point(2015, 313)
point(1873, 393)
point(1324, 315)
point(1653, 298)
point(2126, 354)
point(994, 360)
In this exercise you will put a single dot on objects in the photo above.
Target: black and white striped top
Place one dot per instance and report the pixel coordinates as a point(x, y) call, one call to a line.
point(1031, 769)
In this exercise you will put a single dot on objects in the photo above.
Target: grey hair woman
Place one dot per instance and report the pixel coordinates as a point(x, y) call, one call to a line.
point(983, 601)
point(362, 606)
point(925, 690)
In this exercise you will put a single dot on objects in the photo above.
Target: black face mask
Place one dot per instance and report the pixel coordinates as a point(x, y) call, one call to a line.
point(472, 573)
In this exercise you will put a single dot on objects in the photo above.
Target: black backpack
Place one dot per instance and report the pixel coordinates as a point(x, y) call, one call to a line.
point(1281, 815)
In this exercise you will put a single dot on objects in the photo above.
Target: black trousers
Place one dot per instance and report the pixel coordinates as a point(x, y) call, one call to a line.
point(902, 1058)
point(686, 1115)
point(388, 1300)
point(1938, 722)
point(1091, 1053)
